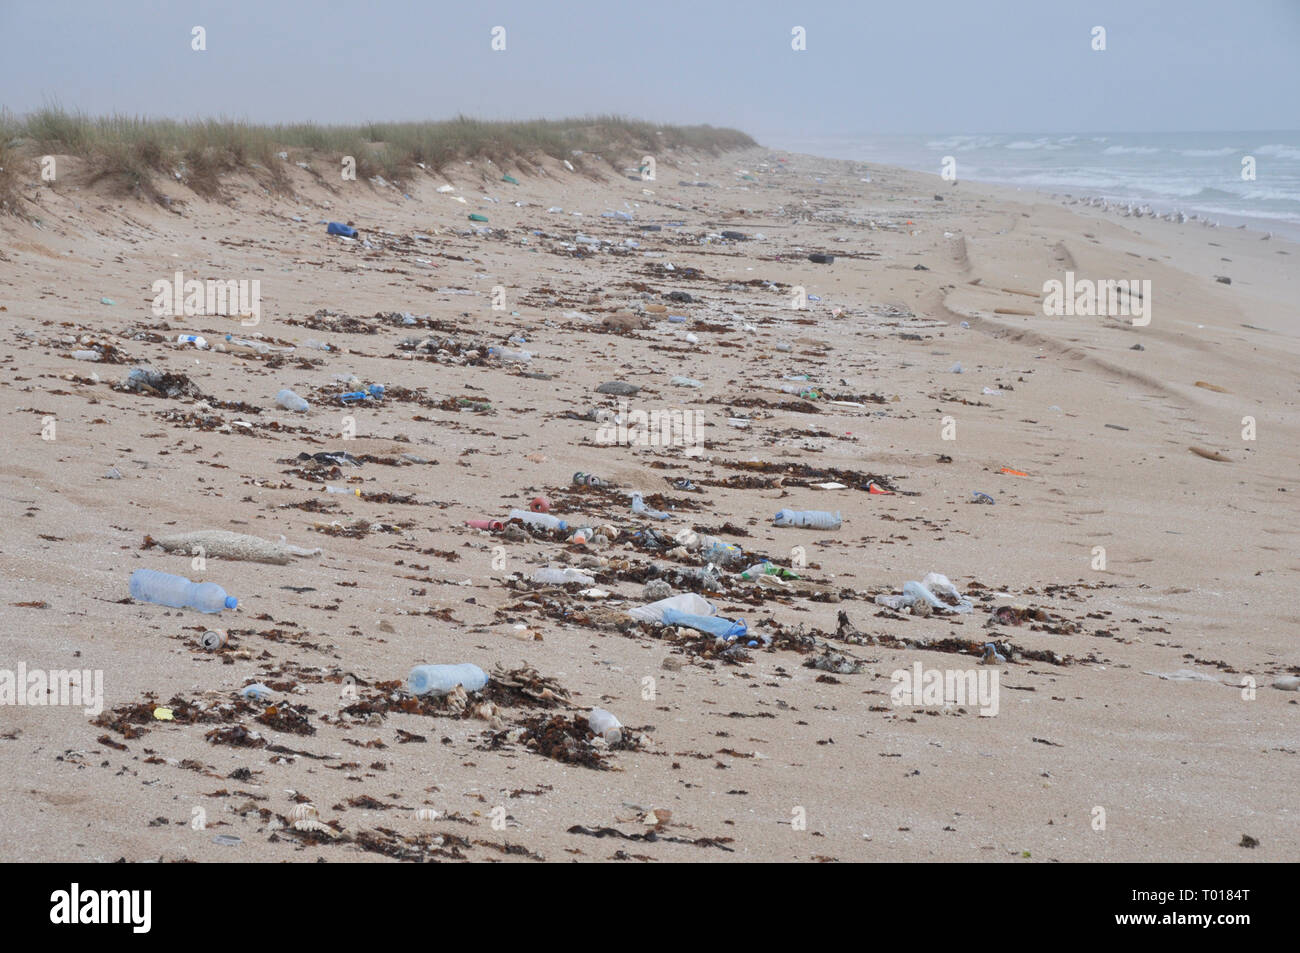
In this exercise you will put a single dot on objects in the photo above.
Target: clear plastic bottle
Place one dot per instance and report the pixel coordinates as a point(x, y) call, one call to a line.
point(809, 519)
point(441, 679)
point(545, 520)
point(164, 589)
point(558, 577)
point(639, 507)
point(606, 725)
point(505, 354)
point(290, 401)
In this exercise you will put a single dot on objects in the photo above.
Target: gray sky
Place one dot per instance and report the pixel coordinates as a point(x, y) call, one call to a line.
point(871, 66)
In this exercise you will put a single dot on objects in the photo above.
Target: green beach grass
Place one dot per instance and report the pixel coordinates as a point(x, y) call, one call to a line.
point(131, 151)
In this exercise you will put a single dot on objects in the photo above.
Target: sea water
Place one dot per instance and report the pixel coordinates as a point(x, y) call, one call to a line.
point(1194, 172)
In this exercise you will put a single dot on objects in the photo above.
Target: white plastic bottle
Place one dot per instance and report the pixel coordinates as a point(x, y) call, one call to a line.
point(606, 725)
point(441, 679)
point(290, 401)
point(545, 520)
point(150, 585)
point(809, 519)
point(558, 577)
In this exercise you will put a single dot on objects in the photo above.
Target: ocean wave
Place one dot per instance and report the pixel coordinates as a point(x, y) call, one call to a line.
point(962, 143)
point(1267, 215)
point(1207, 153)
point(1129, 150)
point(1034, 144)
point(1279, 151)
point(1269, 195)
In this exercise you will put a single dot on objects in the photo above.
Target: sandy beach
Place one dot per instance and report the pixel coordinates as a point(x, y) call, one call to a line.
point(1142, 595)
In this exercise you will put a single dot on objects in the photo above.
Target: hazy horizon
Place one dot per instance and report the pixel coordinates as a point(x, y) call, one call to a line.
point(1007, 67)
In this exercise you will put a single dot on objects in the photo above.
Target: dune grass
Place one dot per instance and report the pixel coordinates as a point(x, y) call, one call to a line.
point(133, 150)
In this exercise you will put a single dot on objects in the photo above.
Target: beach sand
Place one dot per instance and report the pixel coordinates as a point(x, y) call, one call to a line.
point(1092, 755)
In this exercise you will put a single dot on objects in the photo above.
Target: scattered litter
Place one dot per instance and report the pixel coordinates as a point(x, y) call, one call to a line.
point(256, 691)
point(561, 577)
point(928, 591)
point(639, 507)
point(162, 588)
point(808, 519)
point(687, 602)
point(290, 401)
point(605, 725)
point(440, 680)
point(725, 629)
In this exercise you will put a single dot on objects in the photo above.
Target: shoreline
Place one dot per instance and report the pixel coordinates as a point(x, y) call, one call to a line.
point(1158, 204)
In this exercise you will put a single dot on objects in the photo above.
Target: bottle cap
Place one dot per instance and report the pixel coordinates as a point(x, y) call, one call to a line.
point(231, 602)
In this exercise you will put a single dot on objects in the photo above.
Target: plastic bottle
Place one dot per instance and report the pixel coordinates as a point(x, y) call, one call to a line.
point(605, 725)
point(725, 629)
point(374, 390)
point(164, 589)
point(716, 551)
point(342, 489)
point(505, 354)
point(290, 401)
point(245, 346)
point(767, 569)
point(809, 519)
point(545, 520)
point(441, 679)
point(639, 507)
point(558, 577)
point(338, 228)
point(685, 602)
